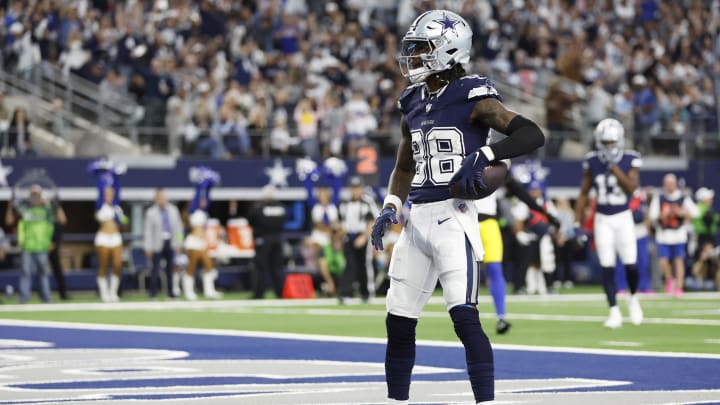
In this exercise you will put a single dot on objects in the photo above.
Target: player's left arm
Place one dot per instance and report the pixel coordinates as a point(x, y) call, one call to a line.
point(628, 181)
point(517, 189)
point(523, 135)
point(404, 170)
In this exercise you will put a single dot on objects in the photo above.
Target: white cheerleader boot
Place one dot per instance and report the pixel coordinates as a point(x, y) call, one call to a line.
point(114, 287)
point(188, 286)
point(540, 282)
point(175, 284)
point(209, 285)
point(530, 281)
point(102, 284)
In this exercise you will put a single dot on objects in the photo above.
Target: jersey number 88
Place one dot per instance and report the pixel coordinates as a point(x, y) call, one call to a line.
point(438, 154)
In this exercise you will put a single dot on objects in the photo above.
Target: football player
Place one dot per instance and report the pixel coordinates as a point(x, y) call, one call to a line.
point(614, 175)
point(492, 243)
point(446, 116)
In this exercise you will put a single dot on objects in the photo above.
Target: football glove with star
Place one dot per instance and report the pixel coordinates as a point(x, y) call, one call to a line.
point(468, 181)
point(382, 222)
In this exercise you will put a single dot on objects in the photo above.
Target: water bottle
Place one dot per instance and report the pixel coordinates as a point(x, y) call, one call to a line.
point(9, 291)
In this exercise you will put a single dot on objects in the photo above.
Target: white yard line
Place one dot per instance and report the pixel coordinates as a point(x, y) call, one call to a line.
point(712, 341)
point(619, 343)
point(435, 314)
point(321, 302)
point(326, 307)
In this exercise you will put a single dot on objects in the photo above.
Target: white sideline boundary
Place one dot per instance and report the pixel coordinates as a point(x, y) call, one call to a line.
point(331, 338)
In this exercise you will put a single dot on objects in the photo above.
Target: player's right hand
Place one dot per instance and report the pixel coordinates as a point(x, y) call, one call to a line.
point(382, 222)
point(467, 179)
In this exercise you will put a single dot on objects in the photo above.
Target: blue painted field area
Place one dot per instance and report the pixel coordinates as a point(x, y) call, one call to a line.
point(150, 364)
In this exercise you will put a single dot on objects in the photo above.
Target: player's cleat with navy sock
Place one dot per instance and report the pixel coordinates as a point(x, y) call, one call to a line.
point(614, 321)
point(502, 326)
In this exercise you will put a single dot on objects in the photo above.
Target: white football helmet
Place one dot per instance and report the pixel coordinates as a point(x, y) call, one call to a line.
point(436, 41)
point(610, 137)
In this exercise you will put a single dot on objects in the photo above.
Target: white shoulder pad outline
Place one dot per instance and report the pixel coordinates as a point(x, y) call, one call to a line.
point(636, 159)
point(408, 90)
point(482, 91)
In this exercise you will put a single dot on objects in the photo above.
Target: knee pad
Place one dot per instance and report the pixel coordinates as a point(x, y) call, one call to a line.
point(466, 321)
point(401, 335)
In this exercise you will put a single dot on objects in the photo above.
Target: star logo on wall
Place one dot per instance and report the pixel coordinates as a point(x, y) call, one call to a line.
point(4, 172)
point(278, 174)
point(447, 23)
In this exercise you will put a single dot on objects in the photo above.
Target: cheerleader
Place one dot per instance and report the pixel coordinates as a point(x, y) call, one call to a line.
point(195, 244)
point(108, 240)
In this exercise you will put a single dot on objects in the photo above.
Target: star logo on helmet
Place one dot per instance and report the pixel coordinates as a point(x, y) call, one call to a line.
point(447, 24)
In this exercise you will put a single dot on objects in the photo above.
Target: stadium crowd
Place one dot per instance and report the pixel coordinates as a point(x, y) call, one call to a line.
point(306, 77)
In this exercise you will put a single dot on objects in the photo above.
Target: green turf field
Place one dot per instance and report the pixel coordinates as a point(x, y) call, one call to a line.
point(688, 324)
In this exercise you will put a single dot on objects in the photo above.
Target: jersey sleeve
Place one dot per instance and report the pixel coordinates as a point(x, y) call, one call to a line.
point(405, 99)
point(635, 159)
point(586, 160)
point(480, 88)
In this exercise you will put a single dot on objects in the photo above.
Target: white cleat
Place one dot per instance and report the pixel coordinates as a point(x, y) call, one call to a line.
point(614, 321)
point(636, 312)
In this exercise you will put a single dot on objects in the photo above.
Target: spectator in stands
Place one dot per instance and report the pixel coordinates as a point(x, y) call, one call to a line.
point(306, 118)
point(267, 218)
point(332, 126)
point(35, 218)
point(669, 211)
point(4, 117)
point(599, 103)
point(19, 139)
point(359, 122)
point(646, 111)
point(162, 241)
point(346, 46)
point(281, 141)
point(623, 106)
point(231, 128)
point(558, 104)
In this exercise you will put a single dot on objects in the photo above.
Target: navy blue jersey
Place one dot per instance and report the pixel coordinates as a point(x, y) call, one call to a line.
point(610, 197)
point(441, 132)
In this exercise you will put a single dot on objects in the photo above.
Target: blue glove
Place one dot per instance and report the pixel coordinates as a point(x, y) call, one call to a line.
point(469, 183)
point(581, 237)
point(382, 222)
point(610, 158)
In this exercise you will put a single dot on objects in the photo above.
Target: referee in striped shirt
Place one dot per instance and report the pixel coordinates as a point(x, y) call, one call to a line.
point(357, 216)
